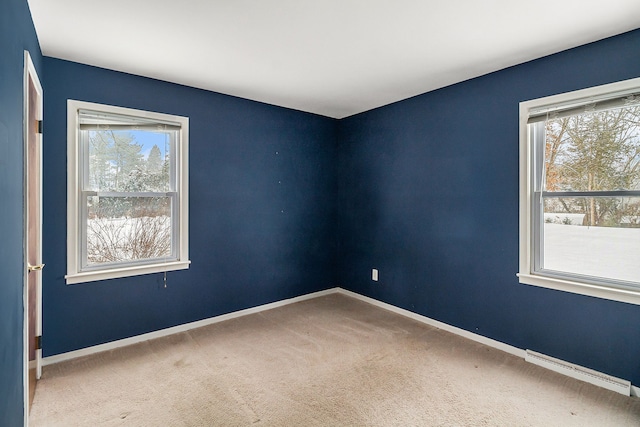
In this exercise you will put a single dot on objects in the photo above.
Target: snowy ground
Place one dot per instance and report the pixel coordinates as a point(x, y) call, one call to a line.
point(595, 251)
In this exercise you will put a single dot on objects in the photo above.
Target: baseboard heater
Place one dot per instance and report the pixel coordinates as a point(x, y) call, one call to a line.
point(578, 372)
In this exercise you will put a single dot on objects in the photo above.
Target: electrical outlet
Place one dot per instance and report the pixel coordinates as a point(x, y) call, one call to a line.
point(374, 275)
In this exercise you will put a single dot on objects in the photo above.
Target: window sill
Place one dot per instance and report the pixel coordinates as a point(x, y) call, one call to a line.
point(92, 276)
point(614, 294)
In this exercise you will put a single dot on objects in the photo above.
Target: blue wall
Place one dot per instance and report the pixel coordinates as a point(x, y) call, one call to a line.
point(262, 210)
point(428, 194)
point(16, 34)
point(284, 203)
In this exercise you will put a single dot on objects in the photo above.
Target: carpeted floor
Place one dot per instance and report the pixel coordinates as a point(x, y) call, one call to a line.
point(330, 361)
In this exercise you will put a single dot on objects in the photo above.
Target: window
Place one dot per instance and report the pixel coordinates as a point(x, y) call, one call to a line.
point(580, 192)
point(127, 195)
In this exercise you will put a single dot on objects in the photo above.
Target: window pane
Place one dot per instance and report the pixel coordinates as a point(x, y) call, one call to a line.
point(593, 236)
point(128, 229)
point(129, 160)
point(597, 151)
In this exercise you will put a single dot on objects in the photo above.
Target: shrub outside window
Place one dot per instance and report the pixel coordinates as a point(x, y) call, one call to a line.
point(580, 192)
point(127, 192)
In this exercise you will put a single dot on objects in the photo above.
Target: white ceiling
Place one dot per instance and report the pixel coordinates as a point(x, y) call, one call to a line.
point(331, 57)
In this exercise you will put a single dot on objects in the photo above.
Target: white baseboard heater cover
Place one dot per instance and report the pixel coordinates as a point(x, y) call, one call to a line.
point(578, 372)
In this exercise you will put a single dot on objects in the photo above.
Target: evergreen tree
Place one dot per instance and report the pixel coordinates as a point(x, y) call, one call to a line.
point(115, 160)
point(126, 156)
point(154, 161)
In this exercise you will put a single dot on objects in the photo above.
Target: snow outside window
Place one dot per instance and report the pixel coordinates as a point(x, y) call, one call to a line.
point(580, 192)
point(127, 192)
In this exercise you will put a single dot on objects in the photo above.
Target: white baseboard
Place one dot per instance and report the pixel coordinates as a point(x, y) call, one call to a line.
point(50, 360)
point(578, 372)
point(634, 391)
point(440, 325)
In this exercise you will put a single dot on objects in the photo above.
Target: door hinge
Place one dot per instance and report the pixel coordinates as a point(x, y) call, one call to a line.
point(39, 126)
point(39, 342)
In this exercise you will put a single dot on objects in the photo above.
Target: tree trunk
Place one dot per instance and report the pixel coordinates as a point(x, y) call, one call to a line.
point(592, 202)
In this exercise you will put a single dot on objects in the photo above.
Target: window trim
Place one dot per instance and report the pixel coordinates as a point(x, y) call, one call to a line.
point(74, 221)
point(527, 274)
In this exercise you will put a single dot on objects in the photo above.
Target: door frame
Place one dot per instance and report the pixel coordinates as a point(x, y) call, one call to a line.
point(30, 74)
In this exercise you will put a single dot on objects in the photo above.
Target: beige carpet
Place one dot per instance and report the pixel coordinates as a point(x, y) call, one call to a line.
point(331, 361)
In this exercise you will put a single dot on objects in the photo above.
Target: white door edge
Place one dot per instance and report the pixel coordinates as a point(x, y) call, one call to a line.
point(30, 74)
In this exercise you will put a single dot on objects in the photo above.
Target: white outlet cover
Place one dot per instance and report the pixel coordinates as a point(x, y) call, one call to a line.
point(374, 275)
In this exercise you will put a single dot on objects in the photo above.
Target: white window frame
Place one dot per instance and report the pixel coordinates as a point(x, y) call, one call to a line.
point(527, 274)
point(75, 273)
